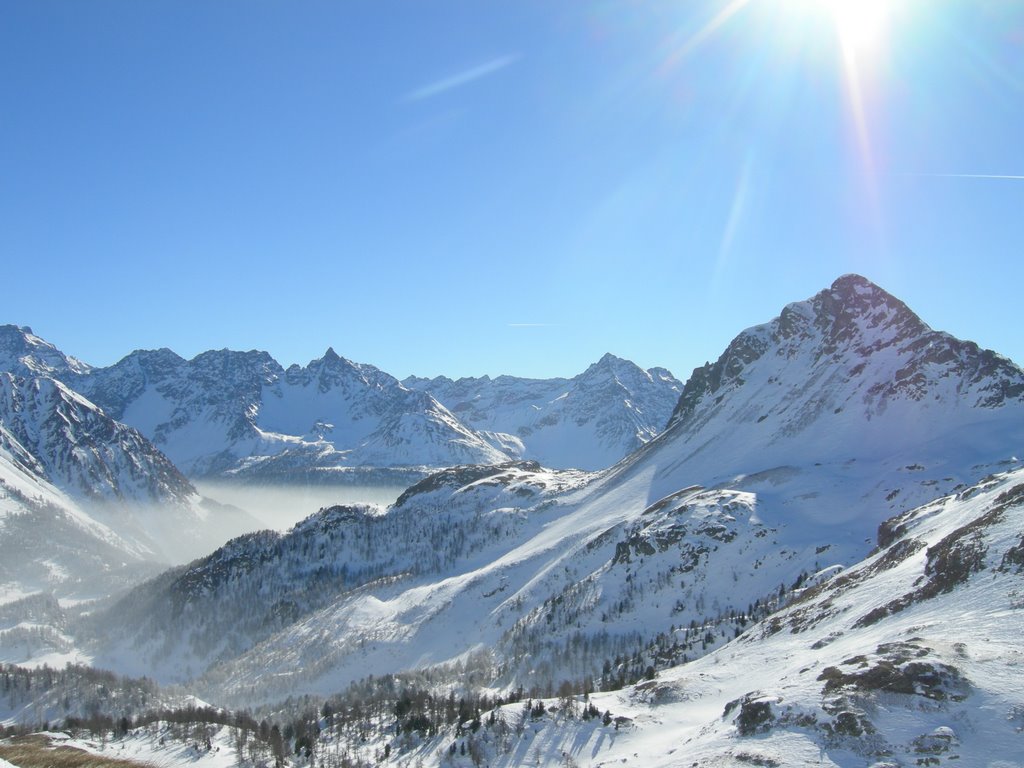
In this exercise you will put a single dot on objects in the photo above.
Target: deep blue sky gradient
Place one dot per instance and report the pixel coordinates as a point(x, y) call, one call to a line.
point(292, 176)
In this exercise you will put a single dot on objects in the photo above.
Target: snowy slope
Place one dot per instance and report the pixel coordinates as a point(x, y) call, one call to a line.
point(909, 658)
point(580, 571)
point(589, 421)
point(222, 606)
point(225, 410)
point(48, 543)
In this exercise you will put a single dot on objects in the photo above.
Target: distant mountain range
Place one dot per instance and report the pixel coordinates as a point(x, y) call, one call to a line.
point(588, 422)
point(241, 414)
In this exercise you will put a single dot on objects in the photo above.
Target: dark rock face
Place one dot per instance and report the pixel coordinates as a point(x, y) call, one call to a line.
point(82, 450)
point(901, 667)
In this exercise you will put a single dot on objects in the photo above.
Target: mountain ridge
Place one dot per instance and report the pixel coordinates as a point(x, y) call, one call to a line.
point(241, 414)
point(613, 407)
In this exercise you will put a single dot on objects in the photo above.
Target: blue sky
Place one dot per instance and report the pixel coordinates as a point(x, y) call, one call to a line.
point(515, 187)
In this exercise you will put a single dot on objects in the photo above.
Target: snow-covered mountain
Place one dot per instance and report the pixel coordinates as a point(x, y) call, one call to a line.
point(25, 354)
point(853, 361)
point(589, 421)
point(226, 411)
point(242, 415)
point(49, 543)
point(64, 460)
point(774, 473)
point(82, 450)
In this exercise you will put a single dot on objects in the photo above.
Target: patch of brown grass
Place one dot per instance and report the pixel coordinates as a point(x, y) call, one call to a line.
point(37, 752)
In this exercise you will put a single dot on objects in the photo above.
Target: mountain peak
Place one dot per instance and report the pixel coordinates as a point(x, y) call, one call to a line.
point(609, 364)
point(23, 352)
point(852, 283)
point(855, 293)
point(856, 311)
point(850, 346)
point(334, 365)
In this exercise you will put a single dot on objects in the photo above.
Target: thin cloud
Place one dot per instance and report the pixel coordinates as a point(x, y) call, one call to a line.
point(462, 78)
point(967, 176)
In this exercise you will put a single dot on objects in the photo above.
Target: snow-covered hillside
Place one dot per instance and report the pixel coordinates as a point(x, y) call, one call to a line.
point(589, 421)
point(778, 473)
point(911, 657)
point(261, 587)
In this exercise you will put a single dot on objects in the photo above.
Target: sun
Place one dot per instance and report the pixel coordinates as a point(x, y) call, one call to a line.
point(860, 24)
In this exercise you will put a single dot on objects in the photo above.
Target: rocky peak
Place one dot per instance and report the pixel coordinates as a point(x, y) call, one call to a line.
point(333, 371)
point(233, 371)
point(24, 353)
point(855, 332)
point(612, 370)
point(855, 310)
point(82, 450)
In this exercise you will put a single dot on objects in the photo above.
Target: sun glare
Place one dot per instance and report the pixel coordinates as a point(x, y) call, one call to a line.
point(860, 24)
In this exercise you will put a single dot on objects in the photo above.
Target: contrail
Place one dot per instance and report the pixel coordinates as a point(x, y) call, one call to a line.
point(460, 79)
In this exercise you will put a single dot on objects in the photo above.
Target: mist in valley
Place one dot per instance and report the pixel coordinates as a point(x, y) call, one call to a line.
point(280, 506)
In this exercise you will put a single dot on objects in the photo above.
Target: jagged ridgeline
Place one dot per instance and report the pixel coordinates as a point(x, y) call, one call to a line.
point(243, 415)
